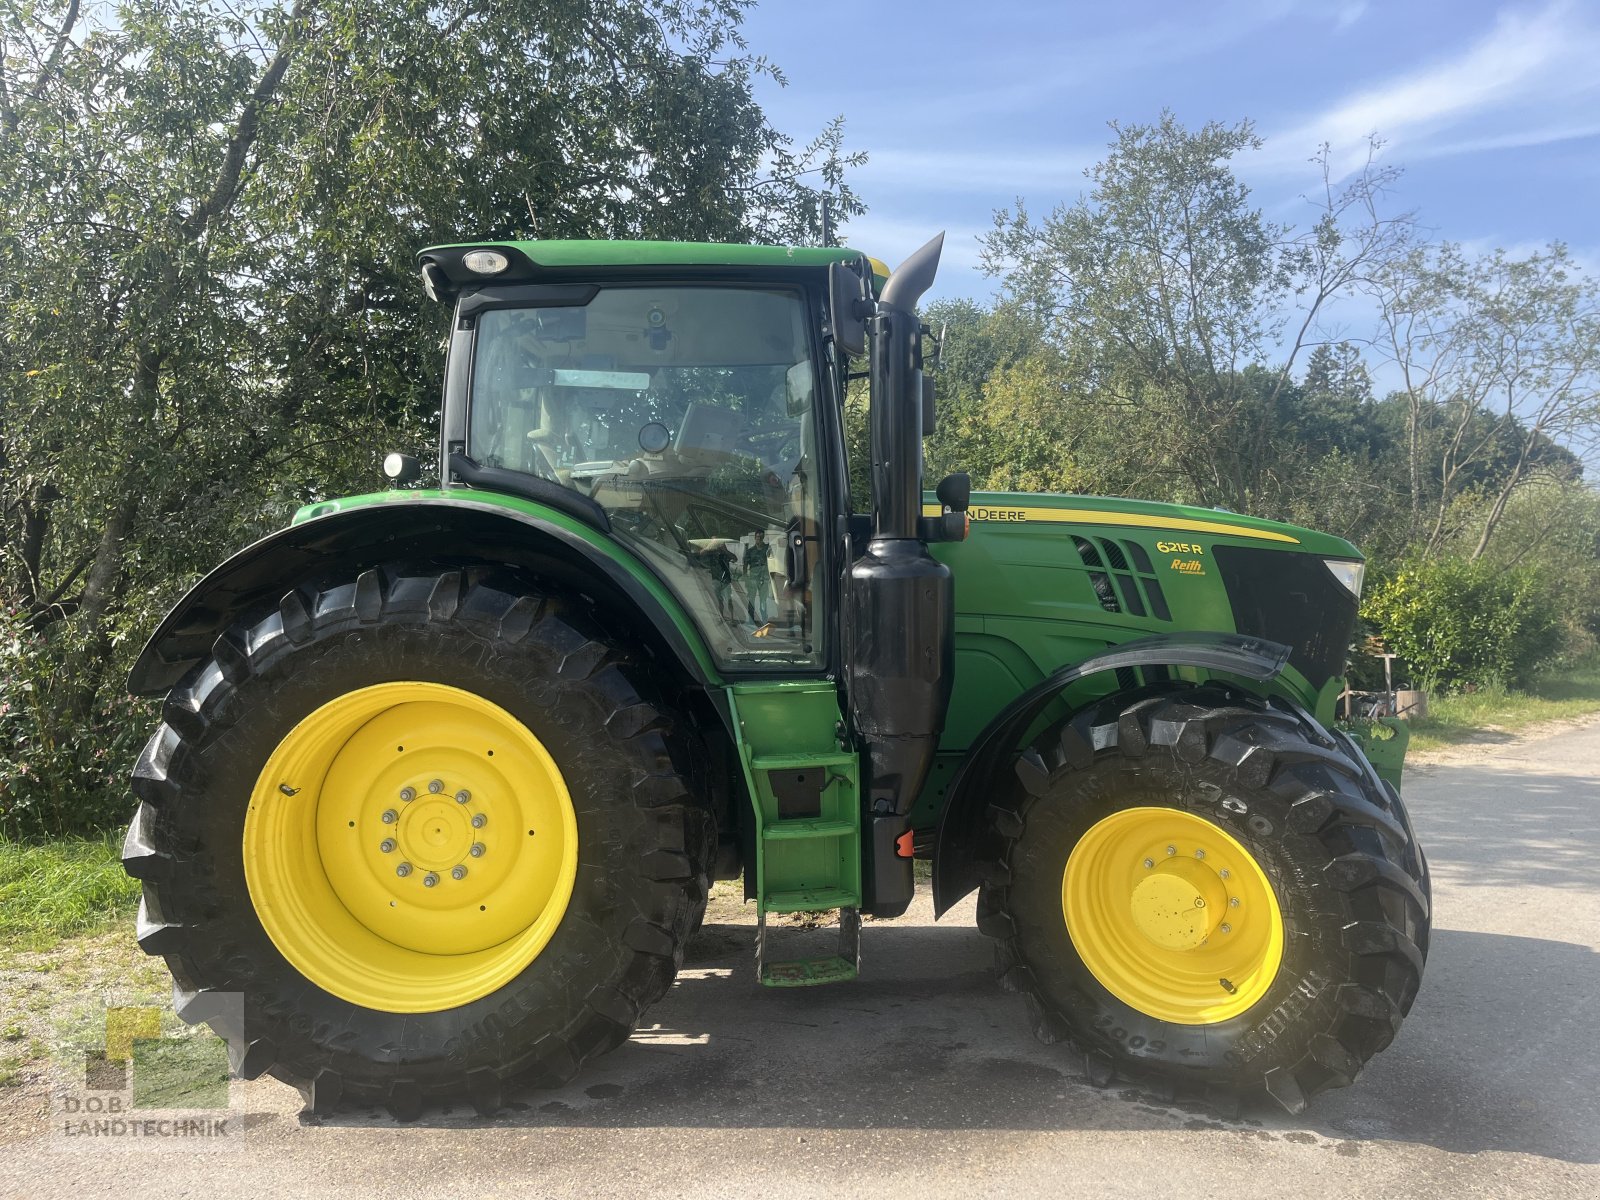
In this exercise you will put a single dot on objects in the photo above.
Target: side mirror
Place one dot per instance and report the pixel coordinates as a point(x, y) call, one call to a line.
point(846, 293)
point(930, 414)
point(955, 491)
point(799, 384)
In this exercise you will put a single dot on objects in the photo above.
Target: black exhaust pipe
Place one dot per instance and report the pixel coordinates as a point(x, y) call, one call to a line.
point(900, 612)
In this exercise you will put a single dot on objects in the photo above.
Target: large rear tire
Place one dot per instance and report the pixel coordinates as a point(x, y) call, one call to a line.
point(1209, 894)
point(435, 830)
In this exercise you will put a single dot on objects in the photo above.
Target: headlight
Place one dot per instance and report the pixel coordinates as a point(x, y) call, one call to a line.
point(485, 262)
point(1348, 573)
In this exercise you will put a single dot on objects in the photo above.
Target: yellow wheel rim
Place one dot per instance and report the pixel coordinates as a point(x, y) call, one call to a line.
point(1172, 915)
point(410, 847)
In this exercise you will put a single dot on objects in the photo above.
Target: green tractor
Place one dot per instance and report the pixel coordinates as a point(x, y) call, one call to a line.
point(444, 775)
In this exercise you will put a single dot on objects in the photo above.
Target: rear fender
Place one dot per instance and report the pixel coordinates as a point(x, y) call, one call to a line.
point(419, 529)
point(959, 843)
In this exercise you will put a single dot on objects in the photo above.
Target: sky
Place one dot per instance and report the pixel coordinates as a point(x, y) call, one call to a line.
point(1492, 110)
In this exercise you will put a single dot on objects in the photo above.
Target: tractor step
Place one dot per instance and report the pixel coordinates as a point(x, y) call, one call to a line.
point(839, 967)
point(806, 788)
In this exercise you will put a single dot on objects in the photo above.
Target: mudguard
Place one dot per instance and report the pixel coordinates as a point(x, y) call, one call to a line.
point(961, 825)
point(417, 527)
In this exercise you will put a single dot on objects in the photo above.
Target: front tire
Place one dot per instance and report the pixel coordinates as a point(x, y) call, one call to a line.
point(1210, 894)
point(434, 829)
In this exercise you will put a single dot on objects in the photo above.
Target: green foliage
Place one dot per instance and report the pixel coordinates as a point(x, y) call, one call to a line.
point(55, 778)
point(51, 890)
point(1455, 621)
point(1572, 691)
point(219, 206)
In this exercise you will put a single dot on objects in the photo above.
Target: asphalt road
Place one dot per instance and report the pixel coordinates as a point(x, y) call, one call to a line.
point(921, 1077)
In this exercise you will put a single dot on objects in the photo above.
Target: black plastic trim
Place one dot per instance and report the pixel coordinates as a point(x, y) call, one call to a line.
point(526, 295)
point(530, 487)
point(961, 825)
point(1290, 598)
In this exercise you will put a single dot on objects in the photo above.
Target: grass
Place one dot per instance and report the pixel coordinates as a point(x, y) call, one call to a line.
point(53, 890)
point(1467, 717)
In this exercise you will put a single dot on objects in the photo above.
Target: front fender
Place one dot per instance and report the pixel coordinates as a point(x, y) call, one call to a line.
point(961, 825)
point(350, 535)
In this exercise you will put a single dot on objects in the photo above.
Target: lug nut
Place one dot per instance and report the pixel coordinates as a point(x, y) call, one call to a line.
point(436, 786)
point(458, 872)
point(1172, 850)
point(1148, 863)
point(429, 879)
point(1199, 853)
point(1225, 927)
point(1223, 874)
point(479, 820)
point(1233, 902)
point(387, 845)
point(463, 796)
point(390, 816)
point(477, 850)
point(403, 870)
point(408, 794)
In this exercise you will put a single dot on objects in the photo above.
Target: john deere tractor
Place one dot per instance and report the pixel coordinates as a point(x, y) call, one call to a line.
point(444, 774)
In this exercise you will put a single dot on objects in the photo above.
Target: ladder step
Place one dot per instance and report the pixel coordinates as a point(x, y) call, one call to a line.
point(799, 762)
point(808, 972)
point(786, 830)
point(810, 900)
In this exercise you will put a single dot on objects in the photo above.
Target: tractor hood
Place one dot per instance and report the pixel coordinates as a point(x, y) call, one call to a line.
point(1062, 577)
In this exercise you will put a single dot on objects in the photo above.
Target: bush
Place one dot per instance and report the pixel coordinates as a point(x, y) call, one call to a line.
point(60, 773)
point(1454, 621)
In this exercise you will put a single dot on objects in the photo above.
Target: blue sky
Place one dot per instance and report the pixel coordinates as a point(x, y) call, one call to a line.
point(1493, 110)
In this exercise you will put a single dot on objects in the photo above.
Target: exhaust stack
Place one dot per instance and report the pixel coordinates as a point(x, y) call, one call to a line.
point(900, 611)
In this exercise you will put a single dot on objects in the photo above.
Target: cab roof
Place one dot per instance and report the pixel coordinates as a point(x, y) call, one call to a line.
point(529, 258)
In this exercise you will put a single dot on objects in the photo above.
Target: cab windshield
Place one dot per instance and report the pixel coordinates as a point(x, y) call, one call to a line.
point(688, 413)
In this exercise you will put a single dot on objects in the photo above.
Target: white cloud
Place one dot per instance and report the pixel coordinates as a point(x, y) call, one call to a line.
point(1054, 55)
point(991, 173)
point(1530, 75)
point(1348, 15)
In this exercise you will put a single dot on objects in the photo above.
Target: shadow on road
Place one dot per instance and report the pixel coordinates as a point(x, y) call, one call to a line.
point(1538, 829)
point(926, 1040)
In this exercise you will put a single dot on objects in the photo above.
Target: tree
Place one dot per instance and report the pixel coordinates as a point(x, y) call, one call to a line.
point(1500, 363)
point(215, 211)
point(1163, 283)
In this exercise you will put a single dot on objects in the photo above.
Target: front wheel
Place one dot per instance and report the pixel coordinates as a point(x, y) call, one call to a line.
point(430, 832)
point(1210, 893)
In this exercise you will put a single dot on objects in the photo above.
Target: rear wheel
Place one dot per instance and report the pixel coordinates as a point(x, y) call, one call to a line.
point(1211, 894)
point(432, 828)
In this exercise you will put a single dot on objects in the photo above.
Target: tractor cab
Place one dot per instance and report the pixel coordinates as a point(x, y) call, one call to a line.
point(693, 408)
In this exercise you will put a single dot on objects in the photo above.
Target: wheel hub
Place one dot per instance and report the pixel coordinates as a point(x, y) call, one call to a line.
point(442, 846)
point(1179, 903)
point(1173, 915)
